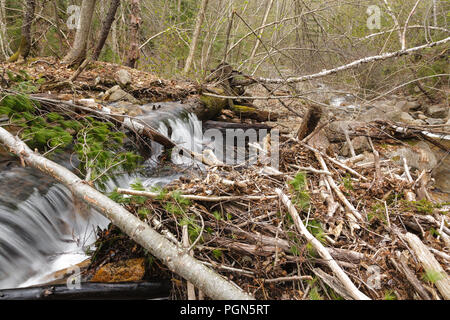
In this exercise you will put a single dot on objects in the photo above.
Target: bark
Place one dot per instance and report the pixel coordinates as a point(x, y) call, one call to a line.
point(25, 42)
point(78, 52)
point(106, 27)
point(135, 21)
point(5, 51)
point(174, 257)
point(196, 36)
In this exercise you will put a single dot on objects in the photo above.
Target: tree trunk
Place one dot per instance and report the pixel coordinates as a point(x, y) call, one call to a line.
point(5, 51)
point(107, 23)
point(174, 257)
point(260, 33)
point(78, 52)
point(25, 42)
point(196, 36)
point(135, 21)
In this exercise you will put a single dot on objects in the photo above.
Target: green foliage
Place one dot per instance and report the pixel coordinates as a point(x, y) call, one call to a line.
point(98, 146)
point(301, 195)
point(432, 276)
point(390, 295)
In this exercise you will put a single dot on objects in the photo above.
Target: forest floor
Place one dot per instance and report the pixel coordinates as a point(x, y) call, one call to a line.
point(375, 214)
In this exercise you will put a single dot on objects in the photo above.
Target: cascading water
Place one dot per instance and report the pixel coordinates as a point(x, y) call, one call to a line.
point(40, 231)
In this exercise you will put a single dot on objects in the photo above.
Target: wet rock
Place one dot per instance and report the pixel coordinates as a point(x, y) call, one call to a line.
point(117, 94)
point(419, 156)
point(122, 271)
point(125, 107)
point(123, 78)
point(437, 111)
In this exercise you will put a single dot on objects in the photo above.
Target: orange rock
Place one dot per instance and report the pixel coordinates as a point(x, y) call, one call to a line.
point(122, 271)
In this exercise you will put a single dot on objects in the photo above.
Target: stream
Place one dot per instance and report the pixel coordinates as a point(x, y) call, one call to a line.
point(40, 233)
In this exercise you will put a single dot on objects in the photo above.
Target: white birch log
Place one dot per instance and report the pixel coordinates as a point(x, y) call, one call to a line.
point(211, 283)
point(323, 252)
point(353, 64)
point(429, 263)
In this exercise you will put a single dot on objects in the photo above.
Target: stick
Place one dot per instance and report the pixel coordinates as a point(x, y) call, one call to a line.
point(323, 252)
point(155, 195)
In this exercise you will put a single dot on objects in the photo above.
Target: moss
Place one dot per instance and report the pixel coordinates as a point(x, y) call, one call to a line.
point(213, 106)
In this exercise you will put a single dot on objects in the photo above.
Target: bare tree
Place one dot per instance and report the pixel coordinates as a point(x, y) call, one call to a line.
point(106, 27)
point(25, 42)
point(5, 51)
point(78, 52)
point(196, 36)
point(135, 21)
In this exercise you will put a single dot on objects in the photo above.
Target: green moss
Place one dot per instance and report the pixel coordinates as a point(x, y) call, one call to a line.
point(213, 106)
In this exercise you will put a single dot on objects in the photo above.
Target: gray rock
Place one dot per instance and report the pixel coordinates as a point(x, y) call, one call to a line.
point(123, 78)
point(419, 156)
point(117, 94)
point(400, 116)
point(434, 121)
point(360, 144)
point(437, 111)
point(377, 112)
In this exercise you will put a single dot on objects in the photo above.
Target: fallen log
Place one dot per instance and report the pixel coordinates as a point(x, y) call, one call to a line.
point(91, 291)
point(350, 288)
point(174, 257)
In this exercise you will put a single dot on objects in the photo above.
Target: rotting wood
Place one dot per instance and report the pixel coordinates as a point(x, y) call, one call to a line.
point(430, 264)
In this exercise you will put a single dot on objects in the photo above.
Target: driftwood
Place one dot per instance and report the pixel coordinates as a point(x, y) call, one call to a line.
point(177, 260)
point(429, 263)
point(91, 291)
point(323, 252)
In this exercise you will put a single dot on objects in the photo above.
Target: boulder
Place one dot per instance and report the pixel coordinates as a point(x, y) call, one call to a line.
point(419, 156)
point(408, 106)
point(360, 144)
point(117, 94)
point(123, 78)
point(400, 116)
point(437, 111)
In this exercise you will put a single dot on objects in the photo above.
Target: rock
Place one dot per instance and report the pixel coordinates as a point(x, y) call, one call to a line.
point(437, 111)
point(408, 106)
point(419, 156)
point(122, 271)
point(434, 121)
point(377, 112)
point(123, 78)
point(117, 94)
point(125, 107)
point(400, 116)
point(360, 144)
